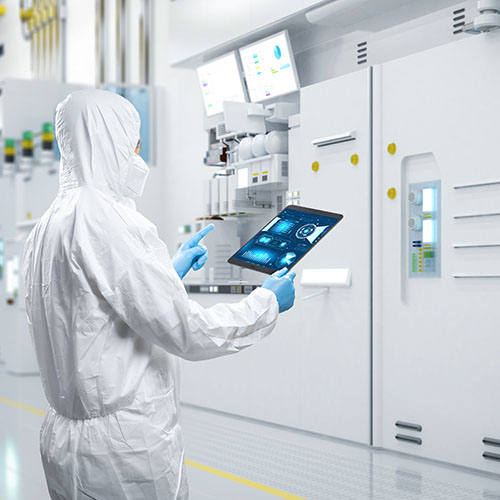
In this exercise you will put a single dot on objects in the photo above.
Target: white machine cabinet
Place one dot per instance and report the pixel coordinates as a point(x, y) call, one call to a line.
point(437, 253)
point(313, 372)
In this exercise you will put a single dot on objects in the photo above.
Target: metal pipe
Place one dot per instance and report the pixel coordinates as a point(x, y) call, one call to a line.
point(147, 42)
point(100, 53)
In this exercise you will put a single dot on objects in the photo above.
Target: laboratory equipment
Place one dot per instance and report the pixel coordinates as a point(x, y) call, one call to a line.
point(258, 145)
point(246, 149)
point(27, 188)
point(286, 239)
point(327, 337)
point(9, 160)
point(276, 142)
point(436, 254)
point(269, 68)
point(220, 81)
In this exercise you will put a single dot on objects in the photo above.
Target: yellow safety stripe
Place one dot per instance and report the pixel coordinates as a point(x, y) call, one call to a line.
point(10, 151)
point(47, 136)
point(22, 406)
point(241, 480)
point(27, 144)
point(190, 463)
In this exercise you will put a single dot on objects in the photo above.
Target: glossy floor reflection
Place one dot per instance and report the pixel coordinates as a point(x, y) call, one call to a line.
point(245, 460)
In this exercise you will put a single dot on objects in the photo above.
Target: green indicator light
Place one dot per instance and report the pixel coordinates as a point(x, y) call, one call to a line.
point(10, 143)
point(27, 135)
point(47, 127)
point(428, 255)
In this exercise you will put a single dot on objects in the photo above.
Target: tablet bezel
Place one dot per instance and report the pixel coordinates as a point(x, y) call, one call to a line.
point(298, 208)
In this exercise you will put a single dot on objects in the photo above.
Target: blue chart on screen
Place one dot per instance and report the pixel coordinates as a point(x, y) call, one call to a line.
point(287, 238)
point(277, 52)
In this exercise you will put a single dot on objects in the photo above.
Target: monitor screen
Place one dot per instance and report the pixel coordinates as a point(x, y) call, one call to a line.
point(220, 80)
point(269, 68)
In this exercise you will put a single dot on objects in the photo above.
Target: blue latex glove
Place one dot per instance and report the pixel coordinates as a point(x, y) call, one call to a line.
point(192, 253)
point(281, 283)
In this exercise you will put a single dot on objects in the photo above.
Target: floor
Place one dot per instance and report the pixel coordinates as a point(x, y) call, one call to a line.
point(234, 459)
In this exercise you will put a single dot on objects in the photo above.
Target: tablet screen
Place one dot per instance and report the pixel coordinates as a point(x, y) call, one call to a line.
point(285, 239)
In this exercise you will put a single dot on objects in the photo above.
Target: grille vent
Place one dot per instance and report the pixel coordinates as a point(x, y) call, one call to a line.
point(494, 443)
point(284, 169)
point(279, 203)
point(362, 52)
point(221, 129)
point(458, 21)
point(408, 438)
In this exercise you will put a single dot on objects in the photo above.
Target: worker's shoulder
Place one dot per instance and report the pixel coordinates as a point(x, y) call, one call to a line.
point(98, 214)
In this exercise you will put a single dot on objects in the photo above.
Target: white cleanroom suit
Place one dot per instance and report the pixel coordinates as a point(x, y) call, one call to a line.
point(110, 317)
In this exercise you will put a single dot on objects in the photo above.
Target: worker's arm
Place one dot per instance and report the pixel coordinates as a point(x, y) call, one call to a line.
point(131, 268)
point(152, 300)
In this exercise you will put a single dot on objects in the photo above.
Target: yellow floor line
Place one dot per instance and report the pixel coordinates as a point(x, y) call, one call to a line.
point(241, 480)
point(190, 463)
point(23, 407)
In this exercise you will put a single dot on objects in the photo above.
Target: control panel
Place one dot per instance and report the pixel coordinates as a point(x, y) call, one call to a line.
point(424, 229)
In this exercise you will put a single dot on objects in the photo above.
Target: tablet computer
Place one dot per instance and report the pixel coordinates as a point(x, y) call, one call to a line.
point(285, 240)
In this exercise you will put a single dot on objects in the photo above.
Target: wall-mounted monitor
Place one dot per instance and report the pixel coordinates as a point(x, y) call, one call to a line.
point(269, 67)
point(220, 80)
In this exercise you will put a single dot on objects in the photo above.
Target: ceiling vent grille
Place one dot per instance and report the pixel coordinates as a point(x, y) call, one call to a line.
point(458, 21)
point(362, 52)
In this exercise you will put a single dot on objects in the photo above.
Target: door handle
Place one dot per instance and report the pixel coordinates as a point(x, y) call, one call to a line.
point(334, 139)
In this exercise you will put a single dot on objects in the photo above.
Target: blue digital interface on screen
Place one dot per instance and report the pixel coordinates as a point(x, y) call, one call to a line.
point(285, 239)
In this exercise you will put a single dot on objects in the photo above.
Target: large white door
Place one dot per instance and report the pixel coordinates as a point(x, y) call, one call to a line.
point(437, 293)
point(336, 176)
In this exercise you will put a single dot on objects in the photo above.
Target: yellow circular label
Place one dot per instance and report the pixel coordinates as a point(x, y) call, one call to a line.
point(315, 166)
point(391, 148)
point(354, 159)
point(29, 215)
point(391, 193)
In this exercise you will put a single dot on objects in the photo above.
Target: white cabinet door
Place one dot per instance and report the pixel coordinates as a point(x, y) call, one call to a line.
point(337, 178)
point(438, 336)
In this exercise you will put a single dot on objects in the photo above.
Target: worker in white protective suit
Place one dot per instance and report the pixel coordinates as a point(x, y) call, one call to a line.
point(110, 317)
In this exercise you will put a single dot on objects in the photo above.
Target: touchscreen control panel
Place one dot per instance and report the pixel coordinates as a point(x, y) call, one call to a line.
point(424, 231)
point(285, 239)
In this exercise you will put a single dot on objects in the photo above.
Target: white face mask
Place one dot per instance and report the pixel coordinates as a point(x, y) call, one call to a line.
point(137, 175)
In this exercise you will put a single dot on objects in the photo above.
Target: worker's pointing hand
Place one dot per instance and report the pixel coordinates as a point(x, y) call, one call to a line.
point(192, 253)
